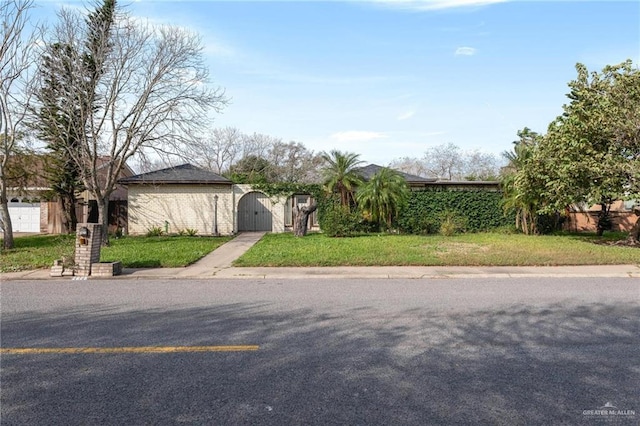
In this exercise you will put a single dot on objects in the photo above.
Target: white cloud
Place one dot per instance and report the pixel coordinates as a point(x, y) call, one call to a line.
point(357, 136)
point(465, 51)
point(407, 115)
point(426, 5)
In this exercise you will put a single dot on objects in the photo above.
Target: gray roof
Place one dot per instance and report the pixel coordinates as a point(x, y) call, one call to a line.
point(184, 174)
point(367, 173)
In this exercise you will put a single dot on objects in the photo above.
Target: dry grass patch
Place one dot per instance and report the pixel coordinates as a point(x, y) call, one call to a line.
point(458, 248)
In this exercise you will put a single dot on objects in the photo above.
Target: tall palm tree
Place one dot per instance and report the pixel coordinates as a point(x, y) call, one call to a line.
point(383, 195)
point(341, 175)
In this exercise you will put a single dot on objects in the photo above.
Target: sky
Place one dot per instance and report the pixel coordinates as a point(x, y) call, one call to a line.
point(390, 79)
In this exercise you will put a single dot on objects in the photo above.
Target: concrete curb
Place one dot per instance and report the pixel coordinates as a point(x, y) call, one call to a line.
point(373, 272)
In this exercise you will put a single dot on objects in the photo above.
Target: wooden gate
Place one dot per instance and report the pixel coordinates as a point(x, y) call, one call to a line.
point(254, 213)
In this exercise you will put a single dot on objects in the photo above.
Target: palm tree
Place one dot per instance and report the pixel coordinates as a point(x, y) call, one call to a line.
point(383, 195)
point(517, 181)
point(341, 175)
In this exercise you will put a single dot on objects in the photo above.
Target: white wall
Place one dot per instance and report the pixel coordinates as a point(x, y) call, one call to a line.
point(191, 207)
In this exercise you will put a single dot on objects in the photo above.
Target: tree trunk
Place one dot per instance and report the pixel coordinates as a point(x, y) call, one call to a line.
point(103, 218)
point(301, 219)
point(7, 236)
point(634, 234)
point(604, 221)
point(70, 219)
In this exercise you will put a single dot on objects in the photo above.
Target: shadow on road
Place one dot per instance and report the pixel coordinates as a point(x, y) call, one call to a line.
point(520, 366)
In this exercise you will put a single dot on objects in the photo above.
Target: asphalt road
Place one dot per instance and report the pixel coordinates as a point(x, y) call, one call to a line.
point(331, 352)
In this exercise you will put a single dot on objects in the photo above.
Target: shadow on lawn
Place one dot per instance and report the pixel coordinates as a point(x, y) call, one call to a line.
point(520, 366)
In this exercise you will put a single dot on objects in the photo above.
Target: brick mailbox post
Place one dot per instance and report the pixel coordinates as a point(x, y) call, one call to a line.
point(86, 261)
point(88, 242)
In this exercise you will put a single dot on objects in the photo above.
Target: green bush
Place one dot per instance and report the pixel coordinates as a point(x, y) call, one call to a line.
point(451, 222)
point(338, 221)
point(155, 231)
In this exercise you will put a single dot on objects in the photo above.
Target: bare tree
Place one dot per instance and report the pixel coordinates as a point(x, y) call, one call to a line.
point(228, 151)
point(144, 88)
point(444, 161)
point(217, 150)
point(258, 145)
point(412, 166)
point(449, 162)
point(272, 160)
point(17, 56)
point(293, 162)
point(481, 166)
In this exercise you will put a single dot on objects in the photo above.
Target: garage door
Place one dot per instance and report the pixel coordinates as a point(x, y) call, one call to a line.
point(25, 217)
point(254, 212)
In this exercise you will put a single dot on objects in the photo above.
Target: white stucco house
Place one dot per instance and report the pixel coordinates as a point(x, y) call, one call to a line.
point(186, 197)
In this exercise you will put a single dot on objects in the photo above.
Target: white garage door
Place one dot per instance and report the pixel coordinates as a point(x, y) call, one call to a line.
point(25, 217)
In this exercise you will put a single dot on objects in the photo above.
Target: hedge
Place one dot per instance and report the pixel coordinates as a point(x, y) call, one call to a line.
point(481, 210)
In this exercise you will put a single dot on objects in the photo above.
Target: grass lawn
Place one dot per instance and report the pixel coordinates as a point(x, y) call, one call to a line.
point(39, 251)
point(482, 249)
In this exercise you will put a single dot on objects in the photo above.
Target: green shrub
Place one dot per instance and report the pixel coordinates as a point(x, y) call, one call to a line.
point(155, 231)
point(451, 222)
point(338, 221)
point(191, 232)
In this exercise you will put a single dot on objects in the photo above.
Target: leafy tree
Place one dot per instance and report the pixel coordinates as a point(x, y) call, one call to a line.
point(591, 153)
point(341, 176)
point(382, 196)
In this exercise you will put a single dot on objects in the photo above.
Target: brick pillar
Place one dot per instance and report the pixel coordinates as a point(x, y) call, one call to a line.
point(87, 248)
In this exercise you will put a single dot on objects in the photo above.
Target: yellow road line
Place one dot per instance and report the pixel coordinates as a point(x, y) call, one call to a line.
point(133, 349)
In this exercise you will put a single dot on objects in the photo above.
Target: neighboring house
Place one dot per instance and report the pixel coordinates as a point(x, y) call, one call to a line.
point(31, 210)
point(186, 197)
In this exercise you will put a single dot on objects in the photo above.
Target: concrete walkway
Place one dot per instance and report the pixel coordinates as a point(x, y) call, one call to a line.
point(218, 264)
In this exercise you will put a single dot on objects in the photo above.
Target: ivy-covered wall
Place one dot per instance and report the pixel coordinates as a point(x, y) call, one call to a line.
point(481, 210)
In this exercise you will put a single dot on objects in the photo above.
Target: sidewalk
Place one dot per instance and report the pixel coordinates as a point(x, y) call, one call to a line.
point(218, 265)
